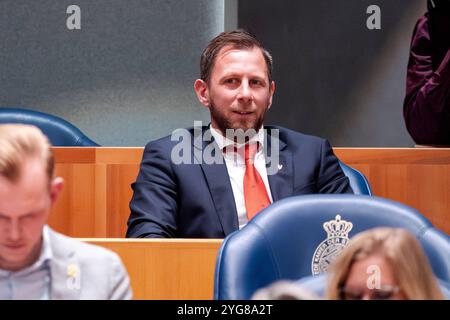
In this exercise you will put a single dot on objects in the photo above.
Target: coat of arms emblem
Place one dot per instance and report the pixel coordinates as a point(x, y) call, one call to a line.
point(337, 237)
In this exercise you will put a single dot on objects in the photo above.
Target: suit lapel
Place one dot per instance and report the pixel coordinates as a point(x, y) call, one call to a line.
point(65, 272)
point(282, 180)
point(218, 182)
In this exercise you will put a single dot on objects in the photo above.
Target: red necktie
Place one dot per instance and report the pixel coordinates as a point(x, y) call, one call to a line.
point(255, 193)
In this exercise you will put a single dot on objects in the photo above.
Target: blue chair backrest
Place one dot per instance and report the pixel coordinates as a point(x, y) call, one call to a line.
point(59, 131)
point(358, 181)
point(282, 241)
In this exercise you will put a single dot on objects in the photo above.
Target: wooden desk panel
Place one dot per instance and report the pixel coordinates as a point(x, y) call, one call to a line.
point(120, 178)
point(169, 268)
point(419, 178)
point(97, 190)
point(75, 213)
point(95, 199)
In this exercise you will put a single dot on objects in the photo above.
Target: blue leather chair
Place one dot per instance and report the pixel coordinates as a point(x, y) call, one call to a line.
point(282, 241)
point(59, 131)
point(358, 181)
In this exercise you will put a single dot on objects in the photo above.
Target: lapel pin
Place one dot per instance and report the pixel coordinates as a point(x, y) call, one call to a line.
point(73, 277)
point(72, 271)
point(280, 166)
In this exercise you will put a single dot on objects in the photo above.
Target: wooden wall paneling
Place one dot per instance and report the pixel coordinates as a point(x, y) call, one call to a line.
point(61, 214)
point(74, 212)
point(416, 177)
point(119, 193)
point(168, 268)
point(119, 155)
point(432, 195)
point(100, 199)
point(98, 184)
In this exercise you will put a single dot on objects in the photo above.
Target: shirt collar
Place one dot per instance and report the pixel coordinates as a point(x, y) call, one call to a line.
point(224, 142)
point(46, 252)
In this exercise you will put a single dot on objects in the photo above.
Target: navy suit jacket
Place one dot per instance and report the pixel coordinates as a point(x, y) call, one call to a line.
point(196, 200)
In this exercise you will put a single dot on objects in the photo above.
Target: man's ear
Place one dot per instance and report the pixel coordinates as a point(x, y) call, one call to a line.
point(55, 189)
point(201, 89)
point(272, 91)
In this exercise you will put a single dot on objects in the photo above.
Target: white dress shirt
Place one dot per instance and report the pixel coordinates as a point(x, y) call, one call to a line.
point(235, 164)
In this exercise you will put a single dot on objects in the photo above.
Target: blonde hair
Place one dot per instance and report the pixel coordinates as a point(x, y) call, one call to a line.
point(404, 254)
point(19, 142)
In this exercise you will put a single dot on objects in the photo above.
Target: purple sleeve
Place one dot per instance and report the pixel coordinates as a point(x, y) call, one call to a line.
point(427, 102)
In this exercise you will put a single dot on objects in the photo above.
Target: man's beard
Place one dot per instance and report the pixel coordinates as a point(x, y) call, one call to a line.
point(224, 123)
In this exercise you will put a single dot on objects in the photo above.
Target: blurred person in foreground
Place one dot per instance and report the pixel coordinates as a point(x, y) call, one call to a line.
point(383, 264)
point(36, 262)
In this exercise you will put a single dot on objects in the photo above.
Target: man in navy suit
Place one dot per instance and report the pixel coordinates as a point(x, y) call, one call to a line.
point(196, 182)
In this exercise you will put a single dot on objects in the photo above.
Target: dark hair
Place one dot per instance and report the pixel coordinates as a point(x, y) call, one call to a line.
point(239, 39)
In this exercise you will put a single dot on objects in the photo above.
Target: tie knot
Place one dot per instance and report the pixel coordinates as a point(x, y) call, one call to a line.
point(246, 152)
point(250, 152)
